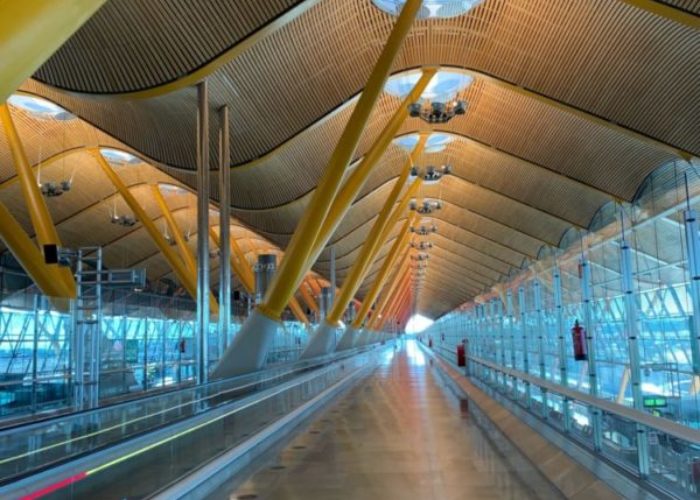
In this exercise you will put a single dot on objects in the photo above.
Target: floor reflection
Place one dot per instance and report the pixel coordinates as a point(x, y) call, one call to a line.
point(397, 435)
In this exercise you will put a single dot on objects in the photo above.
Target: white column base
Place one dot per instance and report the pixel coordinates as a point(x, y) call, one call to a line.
point(248, 351)
point(322, 342)
point(347, 341)
point(364, 338)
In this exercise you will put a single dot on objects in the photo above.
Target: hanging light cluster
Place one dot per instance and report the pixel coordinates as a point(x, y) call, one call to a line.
point(421, 245)
point(123, 220)
point(436, 111)
point(426, 207)
point(431, 174)
point(424, 229)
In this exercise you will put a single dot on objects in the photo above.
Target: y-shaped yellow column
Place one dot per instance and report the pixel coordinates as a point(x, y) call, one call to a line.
point(324, 339)
point(31, 31)
point(44, 227)
point(249, 349)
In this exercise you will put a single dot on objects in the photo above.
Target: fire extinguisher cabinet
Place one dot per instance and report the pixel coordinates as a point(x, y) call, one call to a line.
point(461, 356)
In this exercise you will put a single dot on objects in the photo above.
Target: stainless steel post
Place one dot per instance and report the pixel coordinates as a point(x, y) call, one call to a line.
point(692, 245)
point(333, 282)
point(590, 346)
point(202, 330)
point(561, 337)
point(224, 232)
point(526, 354)
point(264, 271)
point(537, 293)
point(632, 329)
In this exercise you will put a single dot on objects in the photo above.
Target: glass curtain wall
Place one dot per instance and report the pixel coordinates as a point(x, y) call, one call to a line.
point(147, 343)
point(627, 282)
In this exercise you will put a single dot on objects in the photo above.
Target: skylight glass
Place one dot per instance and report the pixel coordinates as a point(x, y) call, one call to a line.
point(445, 85)
point(430, 8)
point(117, 157)
point(172, 189)
point(40, 108)
point(436, 142)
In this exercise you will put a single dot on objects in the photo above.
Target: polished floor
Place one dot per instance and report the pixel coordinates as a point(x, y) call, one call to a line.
point(399, 434)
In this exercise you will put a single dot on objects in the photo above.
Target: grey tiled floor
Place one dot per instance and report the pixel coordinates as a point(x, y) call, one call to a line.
point(397, 435)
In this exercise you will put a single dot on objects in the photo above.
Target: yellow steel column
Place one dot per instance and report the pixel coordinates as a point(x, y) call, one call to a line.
point(31, 31)
point(44, 227)
point(377, 236)
point(29, 256)
point(183, 247)
point(297, 253)
point(173, 259)
point(185, 251)
point(399, 245)
point(357, 178)
point(398, 278)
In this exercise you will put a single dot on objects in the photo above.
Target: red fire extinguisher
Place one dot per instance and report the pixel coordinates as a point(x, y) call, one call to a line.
point(578, 334)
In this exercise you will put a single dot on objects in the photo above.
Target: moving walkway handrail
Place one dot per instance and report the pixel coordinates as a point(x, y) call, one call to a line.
point(25, 447)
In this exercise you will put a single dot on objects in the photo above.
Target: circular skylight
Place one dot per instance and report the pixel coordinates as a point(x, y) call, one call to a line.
point(117, 157)
point(436, 141)
point(39, 108)
point(172, 189)
point(445, 85)
point(430, 8)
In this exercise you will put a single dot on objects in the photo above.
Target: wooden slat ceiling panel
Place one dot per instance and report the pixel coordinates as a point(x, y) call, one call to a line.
point(687, 5)
point(323, 57)
point(135, 44)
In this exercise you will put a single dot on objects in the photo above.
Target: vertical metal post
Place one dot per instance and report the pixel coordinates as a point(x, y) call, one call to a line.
point(511, 328)
point(35, 347)
point(632, 328)
point(224, 231)
point(692, 245)
point(597, 423)
point(202, 330)
point(526, 354)
point(329, 306)
point(264, 272)
point(537, 292)
point(561, 332)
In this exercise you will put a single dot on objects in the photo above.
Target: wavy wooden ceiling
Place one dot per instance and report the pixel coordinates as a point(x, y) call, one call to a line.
point(573, 104)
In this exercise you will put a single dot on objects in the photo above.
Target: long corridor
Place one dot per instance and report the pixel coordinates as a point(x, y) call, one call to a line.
point(398, 434)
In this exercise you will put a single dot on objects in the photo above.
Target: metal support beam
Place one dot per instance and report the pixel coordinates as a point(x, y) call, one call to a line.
point(31, 31)
point(224, 230)
point(632, 330)
point(46, 233)
point(692, 245)
point(561, 343)
point(182, 246)
point(202, 327)
point(597, 420)
point(332, 276)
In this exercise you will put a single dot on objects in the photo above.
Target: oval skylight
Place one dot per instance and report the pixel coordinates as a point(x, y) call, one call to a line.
point(445, 85)
point(39, 108)
point(118, 157)
point(436, 142)
point(172, 189)
point(430, 8)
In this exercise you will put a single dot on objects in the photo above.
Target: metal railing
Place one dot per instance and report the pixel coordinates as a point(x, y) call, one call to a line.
point(669, 459)
point(32, 447)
